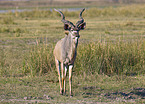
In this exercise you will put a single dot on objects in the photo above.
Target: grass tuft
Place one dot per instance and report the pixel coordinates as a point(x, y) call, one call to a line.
point(125, 11)
point(39, 61)
point(109, 58)
point(122, 58)
point(4, 30)
point(7, 20)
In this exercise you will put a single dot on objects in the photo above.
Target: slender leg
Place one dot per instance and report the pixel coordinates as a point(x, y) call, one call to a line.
point(59, 76)
point(70, 79)
point(66, 67)
point(62, 69)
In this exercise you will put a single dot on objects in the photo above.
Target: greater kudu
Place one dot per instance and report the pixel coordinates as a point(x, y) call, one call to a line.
point(66, 49)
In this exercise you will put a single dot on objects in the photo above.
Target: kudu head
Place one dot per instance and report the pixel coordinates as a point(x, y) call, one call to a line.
point(73, 29)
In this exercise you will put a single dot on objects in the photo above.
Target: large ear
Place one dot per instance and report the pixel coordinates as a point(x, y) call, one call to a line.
point(82, 26)
point(66, 26)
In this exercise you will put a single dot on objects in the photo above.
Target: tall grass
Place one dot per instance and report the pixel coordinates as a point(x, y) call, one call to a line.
point(127, 11)
point(2, 63)
point(39, 61)
point(109, 58)
point(7, 20)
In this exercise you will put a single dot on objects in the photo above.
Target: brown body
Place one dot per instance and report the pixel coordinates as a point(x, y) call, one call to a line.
point(66, 49)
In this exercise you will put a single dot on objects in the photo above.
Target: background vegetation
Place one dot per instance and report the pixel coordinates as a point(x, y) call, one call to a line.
point(111, 55)
point(115, 44)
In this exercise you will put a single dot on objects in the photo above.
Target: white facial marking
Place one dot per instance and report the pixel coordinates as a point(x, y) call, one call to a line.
point(76, 39)
point(74, 31)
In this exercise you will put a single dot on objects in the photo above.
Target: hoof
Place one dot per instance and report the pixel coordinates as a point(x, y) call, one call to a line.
point(64, 93)
point(71, 95)
point(61, 92)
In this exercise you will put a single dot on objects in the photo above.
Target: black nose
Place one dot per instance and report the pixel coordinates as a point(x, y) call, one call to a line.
point(78, 35)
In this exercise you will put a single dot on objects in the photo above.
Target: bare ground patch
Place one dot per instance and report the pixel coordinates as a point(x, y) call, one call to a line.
point(129, 95)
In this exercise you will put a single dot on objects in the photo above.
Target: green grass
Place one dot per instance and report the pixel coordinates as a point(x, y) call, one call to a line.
point(91, 89)
point(110, 60)
point(93, 12)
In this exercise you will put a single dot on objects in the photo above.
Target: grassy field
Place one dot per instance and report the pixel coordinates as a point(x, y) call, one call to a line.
point(109, 67)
